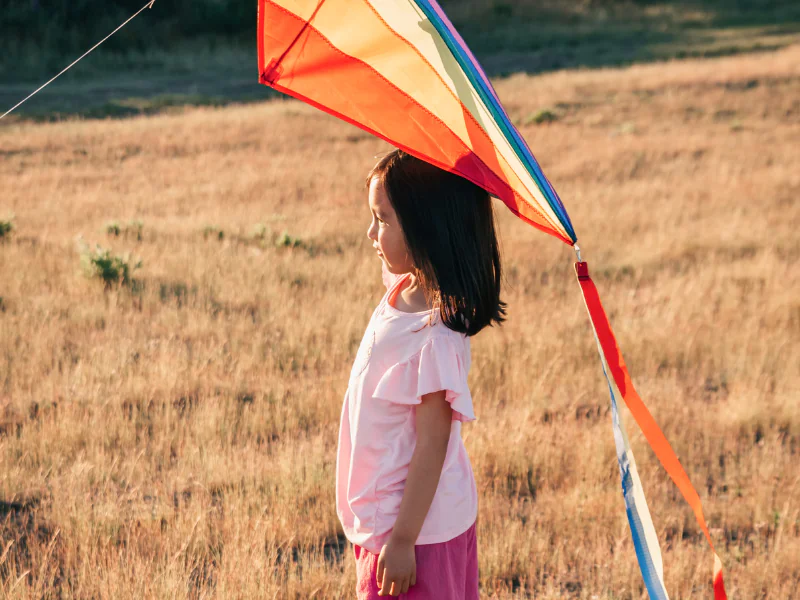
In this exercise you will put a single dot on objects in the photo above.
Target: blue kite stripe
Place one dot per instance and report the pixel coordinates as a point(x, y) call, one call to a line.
point(521, 149)
point(518, 144)
point(652, 581)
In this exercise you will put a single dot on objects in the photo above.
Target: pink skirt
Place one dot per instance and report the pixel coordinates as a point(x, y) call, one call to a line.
point(445, 571)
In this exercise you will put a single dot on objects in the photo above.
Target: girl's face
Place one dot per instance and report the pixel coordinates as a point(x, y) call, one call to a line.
point(385, 233)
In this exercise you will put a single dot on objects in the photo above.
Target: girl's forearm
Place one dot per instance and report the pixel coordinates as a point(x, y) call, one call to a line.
point(424, 472)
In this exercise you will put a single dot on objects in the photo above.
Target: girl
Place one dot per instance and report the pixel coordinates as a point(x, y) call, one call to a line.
point(405, 490)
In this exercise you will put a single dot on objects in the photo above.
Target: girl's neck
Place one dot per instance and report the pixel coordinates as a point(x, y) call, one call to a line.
point(412, 285)
point(411, 295)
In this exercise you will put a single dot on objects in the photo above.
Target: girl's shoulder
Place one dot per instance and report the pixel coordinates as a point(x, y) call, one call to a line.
point(440, 337)
point(439, 360)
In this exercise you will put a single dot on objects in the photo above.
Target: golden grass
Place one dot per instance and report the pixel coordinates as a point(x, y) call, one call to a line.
point(178, 439)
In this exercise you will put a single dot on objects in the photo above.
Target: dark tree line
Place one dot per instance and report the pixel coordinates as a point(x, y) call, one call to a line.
point(71, 25)
point(56, 27)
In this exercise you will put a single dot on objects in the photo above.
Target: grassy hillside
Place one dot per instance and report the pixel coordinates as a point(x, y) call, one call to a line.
point(175, 436)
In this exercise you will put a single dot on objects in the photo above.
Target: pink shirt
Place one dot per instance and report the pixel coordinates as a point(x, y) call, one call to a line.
point(393, 369)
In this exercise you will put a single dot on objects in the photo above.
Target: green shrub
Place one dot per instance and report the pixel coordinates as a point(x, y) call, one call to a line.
point(113, 228)
point(6, 228)
point(213, 230)
point(133, 228)
point(286, 240)
point(110, 268)
point(544, 115)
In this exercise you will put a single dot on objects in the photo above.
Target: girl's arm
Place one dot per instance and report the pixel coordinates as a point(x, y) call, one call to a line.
point(433, 421)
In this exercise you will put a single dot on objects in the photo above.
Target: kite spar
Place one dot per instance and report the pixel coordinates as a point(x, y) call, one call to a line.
point(399, 70)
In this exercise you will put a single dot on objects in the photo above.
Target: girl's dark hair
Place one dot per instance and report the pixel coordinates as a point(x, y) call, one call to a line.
point(448, 223)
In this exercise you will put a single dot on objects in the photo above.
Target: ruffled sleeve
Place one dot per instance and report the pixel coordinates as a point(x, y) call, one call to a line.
point(437, 366)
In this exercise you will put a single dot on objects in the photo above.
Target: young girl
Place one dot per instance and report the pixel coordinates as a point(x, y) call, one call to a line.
point(405, 490)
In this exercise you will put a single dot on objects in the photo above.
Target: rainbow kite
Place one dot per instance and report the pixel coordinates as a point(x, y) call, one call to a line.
point(399, 70)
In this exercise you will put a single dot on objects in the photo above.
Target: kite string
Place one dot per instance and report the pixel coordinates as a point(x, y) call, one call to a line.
point(148, 5)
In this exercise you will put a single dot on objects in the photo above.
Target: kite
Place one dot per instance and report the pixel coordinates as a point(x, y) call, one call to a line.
point(399, 70)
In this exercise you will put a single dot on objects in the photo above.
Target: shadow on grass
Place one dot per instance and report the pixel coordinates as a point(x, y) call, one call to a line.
point(116, 96)
point(512, 37)
point(507, 37)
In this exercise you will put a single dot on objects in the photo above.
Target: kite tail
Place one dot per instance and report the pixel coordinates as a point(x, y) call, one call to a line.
point(645, 541)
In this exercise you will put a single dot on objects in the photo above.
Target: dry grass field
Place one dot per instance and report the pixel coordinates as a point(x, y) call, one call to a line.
point(175, 437)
